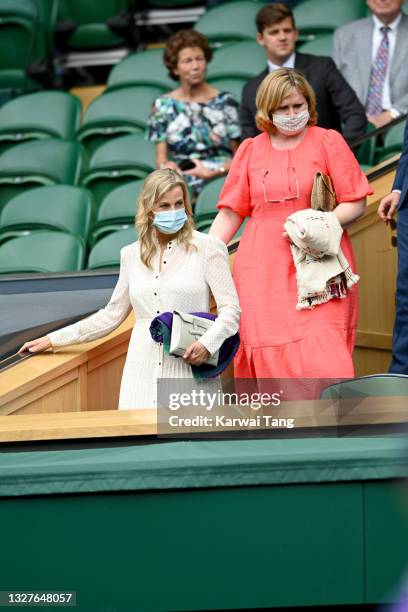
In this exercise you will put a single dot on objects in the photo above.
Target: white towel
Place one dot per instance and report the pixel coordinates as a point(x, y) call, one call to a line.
point(322, 270)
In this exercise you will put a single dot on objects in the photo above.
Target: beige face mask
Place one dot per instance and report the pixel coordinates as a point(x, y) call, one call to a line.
point(291, 123)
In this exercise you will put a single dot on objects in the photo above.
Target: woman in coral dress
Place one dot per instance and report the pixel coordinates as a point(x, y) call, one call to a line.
point(271, 177)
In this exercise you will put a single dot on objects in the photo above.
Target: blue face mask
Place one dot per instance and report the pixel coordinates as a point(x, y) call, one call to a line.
point(170, 222)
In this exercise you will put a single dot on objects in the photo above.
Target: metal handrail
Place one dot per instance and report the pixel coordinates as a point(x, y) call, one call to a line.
point(377, 132)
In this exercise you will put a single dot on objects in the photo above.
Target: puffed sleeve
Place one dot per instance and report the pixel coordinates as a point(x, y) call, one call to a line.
point(235, 194)
point(219, 278)
point(349, 181)
point(157, 121)
point(105, 320)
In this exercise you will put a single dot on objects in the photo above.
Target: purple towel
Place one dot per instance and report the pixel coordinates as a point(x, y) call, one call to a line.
point(160, 331)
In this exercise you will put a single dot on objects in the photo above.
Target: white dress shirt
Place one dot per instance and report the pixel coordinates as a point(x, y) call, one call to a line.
point(377, 38)
point(290, 63)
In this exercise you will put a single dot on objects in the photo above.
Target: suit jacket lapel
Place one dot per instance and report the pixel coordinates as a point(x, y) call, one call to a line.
point(364, 46)
point(300, 62)
point(400, 50)
point(261, 76)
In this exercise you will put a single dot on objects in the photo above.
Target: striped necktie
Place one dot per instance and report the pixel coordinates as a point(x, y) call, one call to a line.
point(377, 77)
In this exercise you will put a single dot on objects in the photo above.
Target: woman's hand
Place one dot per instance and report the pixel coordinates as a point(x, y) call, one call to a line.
point(201, 171)
point(171, 165)
point(196, 354)
point(37, 345)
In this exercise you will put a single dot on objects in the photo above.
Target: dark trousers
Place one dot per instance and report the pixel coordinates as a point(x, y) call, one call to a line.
point(399, 364)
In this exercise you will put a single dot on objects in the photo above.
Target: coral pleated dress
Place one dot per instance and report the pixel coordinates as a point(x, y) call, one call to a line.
point(276, 339)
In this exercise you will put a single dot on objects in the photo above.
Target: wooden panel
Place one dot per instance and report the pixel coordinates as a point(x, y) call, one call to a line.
point(104, 383)
point(376, 262)
point(57, 395)
point(68, 425)
point(97, 363)
point(87, 95)
point(109, 423)
point(371, 361)
point(65, 398)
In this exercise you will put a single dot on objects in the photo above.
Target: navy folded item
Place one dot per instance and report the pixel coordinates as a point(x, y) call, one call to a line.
point(160, 331)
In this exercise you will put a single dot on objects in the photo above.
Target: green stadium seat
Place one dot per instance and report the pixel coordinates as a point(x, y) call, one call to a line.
point(59, 207)
point(144, 68)
point(242, 60)
point(366, 151)
point(47, 114)
point(393, 141)
point(376, 385)
point(115, 113)
point(26, 42)
point(39, 162)
point(234, 86)
point(322, 45)
point(48, 11)
point(92, 24)
point(42, 251)
point(229, 22)
point(316, 17)
point(117, 210)
point(117, 162)
point(106, 252)
point(15, 82)
point(21, 41)
point(206, 205)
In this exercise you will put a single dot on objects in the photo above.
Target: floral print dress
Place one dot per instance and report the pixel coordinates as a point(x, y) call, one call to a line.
point(196, 130)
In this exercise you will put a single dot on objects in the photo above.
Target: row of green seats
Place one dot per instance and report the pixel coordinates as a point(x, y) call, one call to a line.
point(71, 209)
point(56, 161)
point(46, 212)
point(53, 251)
point(42, 251)
point(133, 85)
point(235, 21)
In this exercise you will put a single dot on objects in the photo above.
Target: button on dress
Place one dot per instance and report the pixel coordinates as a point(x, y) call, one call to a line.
point(276, 339)
point(184, 283)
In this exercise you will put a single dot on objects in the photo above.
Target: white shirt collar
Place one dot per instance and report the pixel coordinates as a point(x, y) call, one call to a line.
point(290, 63)
point(393, 25)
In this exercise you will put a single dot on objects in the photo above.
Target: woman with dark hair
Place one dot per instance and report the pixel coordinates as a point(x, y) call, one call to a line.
point(271, 178)
point(195, 126)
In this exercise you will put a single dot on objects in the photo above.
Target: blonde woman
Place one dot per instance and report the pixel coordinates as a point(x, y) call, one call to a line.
point(171, 267)
point(270, 178)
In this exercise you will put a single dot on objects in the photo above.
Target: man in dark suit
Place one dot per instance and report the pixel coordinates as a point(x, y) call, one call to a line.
point(398, 200)
point(337, 105)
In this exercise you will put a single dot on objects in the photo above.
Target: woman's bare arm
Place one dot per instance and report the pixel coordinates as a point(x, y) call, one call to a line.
point(347, 212)
point(226, 224)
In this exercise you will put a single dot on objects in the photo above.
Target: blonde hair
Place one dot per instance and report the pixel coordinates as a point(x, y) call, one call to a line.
point(156, 185)
point(274, 88)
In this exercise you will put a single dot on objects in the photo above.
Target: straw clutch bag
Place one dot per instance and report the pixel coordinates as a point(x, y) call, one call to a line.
point(323, 195)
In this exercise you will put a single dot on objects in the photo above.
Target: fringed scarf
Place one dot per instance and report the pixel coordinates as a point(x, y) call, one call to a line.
point(322, 271)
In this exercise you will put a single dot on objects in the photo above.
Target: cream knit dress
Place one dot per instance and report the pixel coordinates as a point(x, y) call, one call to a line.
point(185, 283)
